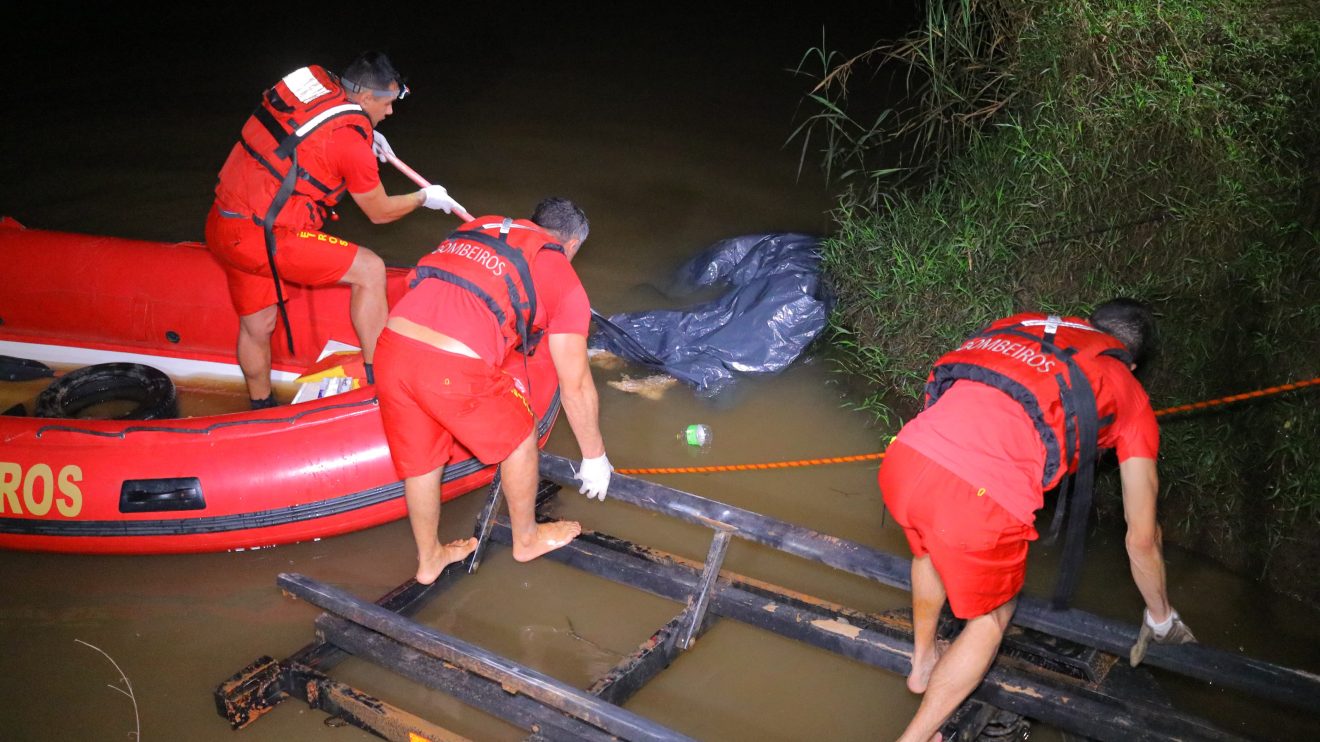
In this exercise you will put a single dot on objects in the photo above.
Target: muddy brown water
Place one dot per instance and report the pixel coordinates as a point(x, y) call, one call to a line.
point(670, 131)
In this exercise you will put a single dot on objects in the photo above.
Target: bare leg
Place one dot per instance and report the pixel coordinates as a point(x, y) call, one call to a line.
point(927, 600)
point(254, 331)
point(530, 539)
point(422, 493)
point(959, 671)
point(367, 304)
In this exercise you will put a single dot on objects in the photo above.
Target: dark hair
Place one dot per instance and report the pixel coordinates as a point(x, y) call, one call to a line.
point(372, 70)
point(1131, 322)
point(562, 217)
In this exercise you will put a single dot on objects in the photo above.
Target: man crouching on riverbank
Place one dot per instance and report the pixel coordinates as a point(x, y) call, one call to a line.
point(967, 475)
point(495, 287)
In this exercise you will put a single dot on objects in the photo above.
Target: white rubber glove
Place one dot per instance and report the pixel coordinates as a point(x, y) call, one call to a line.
point(595, 476)
point(380, 146)
point(438, 198)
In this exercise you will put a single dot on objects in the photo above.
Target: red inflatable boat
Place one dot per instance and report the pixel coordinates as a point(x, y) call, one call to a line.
point(241, 480)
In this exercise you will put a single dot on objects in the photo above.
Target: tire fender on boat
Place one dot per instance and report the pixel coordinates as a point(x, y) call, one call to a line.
point(86, 387)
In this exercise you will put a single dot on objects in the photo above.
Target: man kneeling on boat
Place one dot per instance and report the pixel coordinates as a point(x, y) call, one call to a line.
point(311, 139)
point(495, 287)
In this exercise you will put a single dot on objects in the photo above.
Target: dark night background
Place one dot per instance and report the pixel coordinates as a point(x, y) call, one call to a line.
point(135, 106)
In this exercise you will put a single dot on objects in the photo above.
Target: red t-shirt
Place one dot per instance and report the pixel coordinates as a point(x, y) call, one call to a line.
point(562, 307)
point(986, 438)
point(354, 159)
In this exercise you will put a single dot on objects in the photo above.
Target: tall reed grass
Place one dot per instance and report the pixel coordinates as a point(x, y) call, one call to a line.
point(1050, 155)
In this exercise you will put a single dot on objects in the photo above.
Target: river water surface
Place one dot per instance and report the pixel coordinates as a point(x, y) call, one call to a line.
point(669, 130)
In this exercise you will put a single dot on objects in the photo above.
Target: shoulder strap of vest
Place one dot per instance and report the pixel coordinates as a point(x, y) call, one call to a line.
point(524, 308)
point(289, 133)
point(1082, 428)
point(1081, 397)
point(1081, 435)
point(290, 139)
point(268, 233)
point(428, 271)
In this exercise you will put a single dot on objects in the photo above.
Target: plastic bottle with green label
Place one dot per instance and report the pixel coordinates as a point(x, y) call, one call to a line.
point(697, 435)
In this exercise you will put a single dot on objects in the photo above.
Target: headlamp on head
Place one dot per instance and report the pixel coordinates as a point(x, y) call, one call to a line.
point(355, 87)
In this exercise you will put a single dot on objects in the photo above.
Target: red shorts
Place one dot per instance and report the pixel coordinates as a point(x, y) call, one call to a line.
point(303, 256)
point(429, 398)
point(979, 550)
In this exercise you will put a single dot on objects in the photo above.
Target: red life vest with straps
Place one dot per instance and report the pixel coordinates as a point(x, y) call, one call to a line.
point(279, 170)
point(492, 257)
point(1049, 365)
point(1046, 364)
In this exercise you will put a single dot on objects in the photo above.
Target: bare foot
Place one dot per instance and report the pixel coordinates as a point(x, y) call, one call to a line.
point(549, 536)
point(429, 568)
point(922, 667)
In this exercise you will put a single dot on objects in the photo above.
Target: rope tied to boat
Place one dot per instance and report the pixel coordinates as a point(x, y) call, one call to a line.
point(1179, 409)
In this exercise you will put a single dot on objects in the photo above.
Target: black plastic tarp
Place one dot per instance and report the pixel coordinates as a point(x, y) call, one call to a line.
point(774, 307)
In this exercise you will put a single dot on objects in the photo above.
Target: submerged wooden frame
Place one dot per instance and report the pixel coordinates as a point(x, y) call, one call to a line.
point(1059, 667)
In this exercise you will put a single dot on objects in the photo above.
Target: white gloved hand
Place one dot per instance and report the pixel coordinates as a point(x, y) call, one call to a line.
point(438, 198)
point(380, 146)
point(595, 476)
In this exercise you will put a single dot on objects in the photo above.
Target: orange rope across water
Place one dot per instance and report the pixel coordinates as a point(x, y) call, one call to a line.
point(749, 467)
point(1280, 389)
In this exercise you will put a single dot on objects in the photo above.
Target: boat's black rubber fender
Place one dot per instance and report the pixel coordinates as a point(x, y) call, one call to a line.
point(23, 369)
point(86, 387)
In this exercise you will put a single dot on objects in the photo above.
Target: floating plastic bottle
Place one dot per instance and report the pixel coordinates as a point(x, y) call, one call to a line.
point(696, 435)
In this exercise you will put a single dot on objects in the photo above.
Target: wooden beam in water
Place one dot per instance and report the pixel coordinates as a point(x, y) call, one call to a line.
point(1078, 704)
point(511, 675)
point(879, 640)
point(248, 691)
point(474, 690)
point(637, 669)
point(1293, 687)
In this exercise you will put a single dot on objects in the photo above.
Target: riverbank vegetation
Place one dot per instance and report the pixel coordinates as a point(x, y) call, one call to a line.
point(1050, 155)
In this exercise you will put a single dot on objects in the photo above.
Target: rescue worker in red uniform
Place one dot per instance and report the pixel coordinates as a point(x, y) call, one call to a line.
point(495, 287)
point(311, 139)
point(1007, 416)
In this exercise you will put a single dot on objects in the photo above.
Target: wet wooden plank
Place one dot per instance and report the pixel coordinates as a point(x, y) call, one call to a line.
point(648, 660)
point(883, 641)
point(405, 600)
point(1293, 687)
point(256, 689)
point(251, 693)
point(513, 676)
point(474, 690)
point(371, 714)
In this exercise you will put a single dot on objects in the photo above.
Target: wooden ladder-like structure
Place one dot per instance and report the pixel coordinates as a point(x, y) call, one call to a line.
point(1057, 667)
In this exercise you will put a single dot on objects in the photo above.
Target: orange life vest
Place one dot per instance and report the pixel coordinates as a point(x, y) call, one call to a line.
point(491, 256)
point(278, 171)
point(1048, 364)
point(1045, 364)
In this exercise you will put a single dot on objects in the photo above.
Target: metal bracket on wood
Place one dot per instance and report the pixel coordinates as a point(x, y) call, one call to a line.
point(697, 604)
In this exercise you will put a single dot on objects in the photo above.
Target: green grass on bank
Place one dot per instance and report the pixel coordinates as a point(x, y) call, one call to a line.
point(1051, 155)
